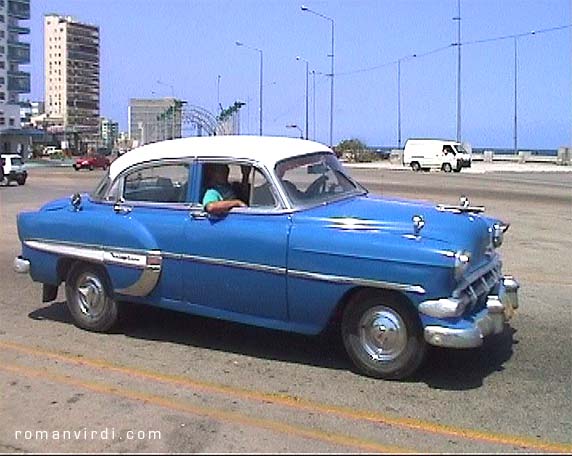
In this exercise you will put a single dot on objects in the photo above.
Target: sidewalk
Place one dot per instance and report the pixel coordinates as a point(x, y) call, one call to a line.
point(478, 167)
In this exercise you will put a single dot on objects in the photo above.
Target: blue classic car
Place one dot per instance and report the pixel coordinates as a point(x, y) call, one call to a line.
point(311, 249)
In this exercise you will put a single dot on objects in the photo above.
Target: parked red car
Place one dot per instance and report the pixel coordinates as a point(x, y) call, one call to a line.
point(91, 162)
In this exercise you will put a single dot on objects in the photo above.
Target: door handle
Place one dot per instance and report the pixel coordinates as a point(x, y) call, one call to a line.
point(199, 215)
point(120, 208)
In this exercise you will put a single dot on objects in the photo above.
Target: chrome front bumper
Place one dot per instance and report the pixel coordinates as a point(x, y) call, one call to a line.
point(21, 265)
point(489, 321)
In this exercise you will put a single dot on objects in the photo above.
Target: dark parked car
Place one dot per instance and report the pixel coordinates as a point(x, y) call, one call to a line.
point(91, 162)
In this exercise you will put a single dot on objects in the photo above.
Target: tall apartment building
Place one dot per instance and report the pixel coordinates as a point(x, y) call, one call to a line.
point(13, 53)
point(109, 132)
point(71, 56)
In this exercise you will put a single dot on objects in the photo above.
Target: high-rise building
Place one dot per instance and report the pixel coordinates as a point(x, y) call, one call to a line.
point(152, 120)
point(13, 53)
point(109, 131)
point(71, 56)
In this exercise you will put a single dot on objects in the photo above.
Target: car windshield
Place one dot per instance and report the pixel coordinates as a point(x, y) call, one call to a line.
point(315, 179)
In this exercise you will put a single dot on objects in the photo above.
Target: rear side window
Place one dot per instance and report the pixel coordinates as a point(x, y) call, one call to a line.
point(17, 161)
point(158, 184)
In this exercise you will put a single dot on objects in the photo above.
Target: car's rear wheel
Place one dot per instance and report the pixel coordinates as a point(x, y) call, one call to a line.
point(447, 167)
point(91, 167)
point(383, 335)
point(21, 180)
point(89, 298)
point(415, 166)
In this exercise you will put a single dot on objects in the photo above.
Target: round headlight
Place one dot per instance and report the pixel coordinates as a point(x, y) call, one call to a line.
point(498, 234)
point(462, 260)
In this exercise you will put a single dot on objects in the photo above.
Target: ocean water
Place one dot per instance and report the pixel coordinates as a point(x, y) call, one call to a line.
point(480, 150)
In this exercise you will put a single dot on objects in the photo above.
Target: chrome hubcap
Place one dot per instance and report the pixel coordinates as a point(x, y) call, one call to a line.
point(382, 333)
point(90, 295)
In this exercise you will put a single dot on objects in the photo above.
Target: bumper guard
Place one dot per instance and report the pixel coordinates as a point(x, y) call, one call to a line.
point(21, 265)
point(491, 320)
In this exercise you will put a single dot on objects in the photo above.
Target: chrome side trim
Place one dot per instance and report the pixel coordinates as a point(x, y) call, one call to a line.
point(356, 281)
point(75, 251)
point(148, 261)
point(142, 260)
point(144, 285)
point(299, 274)
point(229, 263)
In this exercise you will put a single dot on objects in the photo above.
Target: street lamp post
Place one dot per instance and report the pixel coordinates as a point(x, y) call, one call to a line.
point(299, 129)
point(218, 105)
point(399, 103)
point(314, 104)
point(238, 43)
point(307, 73)
point(458, 44)
point(305, 8)
point(399, 97)
point(515, 42)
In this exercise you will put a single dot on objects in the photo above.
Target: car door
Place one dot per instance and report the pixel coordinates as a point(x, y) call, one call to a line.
point(154, 200)
point(236, 263)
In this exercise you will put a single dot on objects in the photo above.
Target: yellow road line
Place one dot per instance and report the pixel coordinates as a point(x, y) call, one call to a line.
point(217, 414)
point(302, 404)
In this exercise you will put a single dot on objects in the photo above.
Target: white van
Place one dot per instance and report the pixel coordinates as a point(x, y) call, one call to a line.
point(427, 154)
point(14, 169)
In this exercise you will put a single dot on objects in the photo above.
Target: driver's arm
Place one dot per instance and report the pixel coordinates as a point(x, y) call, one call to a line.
point(214, 203)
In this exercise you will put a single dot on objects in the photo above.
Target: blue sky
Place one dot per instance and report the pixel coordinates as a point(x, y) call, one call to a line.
point(187, 44)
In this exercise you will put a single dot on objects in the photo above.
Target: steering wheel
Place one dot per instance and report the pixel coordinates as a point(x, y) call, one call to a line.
point(318, 186)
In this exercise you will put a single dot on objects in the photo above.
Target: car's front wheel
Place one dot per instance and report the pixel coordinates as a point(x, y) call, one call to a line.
point(89, 298)
point(383, 335)
point(447, 167)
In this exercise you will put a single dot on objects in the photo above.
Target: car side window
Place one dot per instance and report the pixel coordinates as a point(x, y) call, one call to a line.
point(448, 150)
point(157, 184)
point(244, 182)
point(261, 195)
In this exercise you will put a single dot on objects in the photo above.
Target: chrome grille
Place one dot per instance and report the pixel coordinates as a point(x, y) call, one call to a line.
point(476, 286)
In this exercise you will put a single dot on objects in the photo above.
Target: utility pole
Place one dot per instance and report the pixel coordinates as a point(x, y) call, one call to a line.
point(458, 19)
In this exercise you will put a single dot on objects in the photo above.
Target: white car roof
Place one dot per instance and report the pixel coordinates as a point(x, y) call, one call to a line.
point(267, 150)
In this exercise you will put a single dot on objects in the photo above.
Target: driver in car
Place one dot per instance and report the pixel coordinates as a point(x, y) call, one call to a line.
point(219, 197)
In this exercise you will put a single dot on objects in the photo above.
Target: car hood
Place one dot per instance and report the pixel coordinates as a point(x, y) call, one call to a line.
point(57, 204)
point(372, 214)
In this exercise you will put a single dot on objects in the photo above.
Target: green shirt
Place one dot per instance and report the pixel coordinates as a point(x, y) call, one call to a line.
point(211, 196)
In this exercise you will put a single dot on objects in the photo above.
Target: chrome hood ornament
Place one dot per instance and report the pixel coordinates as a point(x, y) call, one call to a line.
point(418, 224)
point(464, 206)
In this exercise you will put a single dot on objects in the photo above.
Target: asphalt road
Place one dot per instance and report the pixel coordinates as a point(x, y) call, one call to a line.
point(166, 382)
